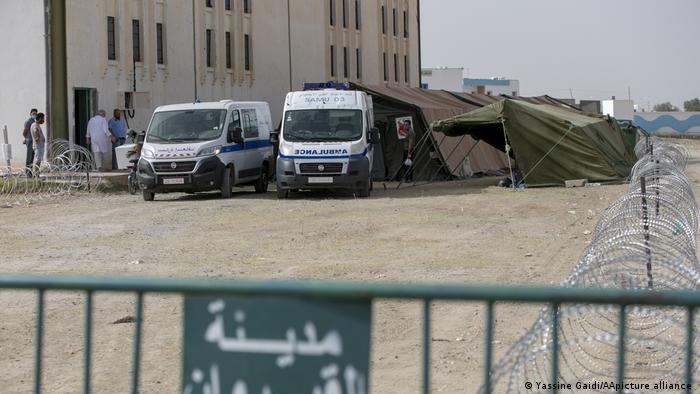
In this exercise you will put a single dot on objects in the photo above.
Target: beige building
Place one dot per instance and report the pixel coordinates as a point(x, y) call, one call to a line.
point(82, 55)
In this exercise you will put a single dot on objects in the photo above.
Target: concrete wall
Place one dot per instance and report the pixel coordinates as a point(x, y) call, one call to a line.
point(669, 122)
point(23, 69)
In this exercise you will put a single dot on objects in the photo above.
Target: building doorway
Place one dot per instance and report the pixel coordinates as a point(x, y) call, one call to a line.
point(84, 107)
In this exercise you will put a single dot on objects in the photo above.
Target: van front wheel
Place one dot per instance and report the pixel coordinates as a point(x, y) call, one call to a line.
point(148, 196)
point(227, 183)
point(282, 194)
point(365, 190)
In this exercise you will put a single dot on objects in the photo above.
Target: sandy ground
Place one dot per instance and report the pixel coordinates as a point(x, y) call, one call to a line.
point(459, 232)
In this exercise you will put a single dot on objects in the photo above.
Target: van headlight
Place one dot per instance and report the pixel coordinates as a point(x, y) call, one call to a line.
point(148, 153)
point(286, 148)
point(210, 151)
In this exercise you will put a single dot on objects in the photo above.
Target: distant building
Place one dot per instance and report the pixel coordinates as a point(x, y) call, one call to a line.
point(452, 79)
point(82, 55)
point(443, 78)
point(493, 86)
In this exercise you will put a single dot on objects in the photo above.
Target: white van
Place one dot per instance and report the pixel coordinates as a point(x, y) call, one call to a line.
point(206, 146)
point(326, 140)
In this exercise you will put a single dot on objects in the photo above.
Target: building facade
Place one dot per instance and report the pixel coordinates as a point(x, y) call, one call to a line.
point(136, 55)
point(452, 79)
point(442, 78)
point(492, 86)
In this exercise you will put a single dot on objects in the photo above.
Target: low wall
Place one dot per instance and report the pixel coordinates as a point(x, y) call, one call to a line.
point(669, 122)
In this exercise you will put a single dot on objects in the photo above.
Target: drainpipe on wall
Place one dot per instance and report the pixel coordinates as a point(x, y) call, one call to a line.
point(420, 62)
point(58, 74)
point(194, 47)
point(47, 60)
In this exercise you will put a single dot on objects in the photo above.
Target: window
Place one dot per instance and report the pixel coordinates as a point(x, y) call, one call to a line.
point(228, 49)
point(405, 68)
point(210, 3)
point(250, 123)
point(396, 69)
point(386, 71)
point(235, 122)
point(111, 39)
point(332, 61)
point(227, 5)
point(160, 55)
point(136, 37)
point(405, 24)
point(357, 14)
point(358, 60)
point(331, 10)
point(393, 19)
point(246, 6)
point(345, 62)
point(210, 48)
point(383, 19)
point(246, 49)
point(345, 16)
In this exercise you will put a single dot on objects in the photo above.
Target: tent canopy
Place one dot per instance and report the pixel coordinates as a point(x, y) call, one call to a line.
point(550, 144)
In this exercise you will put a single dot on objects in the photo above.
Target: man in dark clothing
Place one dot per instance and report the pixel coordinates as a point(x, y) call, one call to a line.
point(29, 141)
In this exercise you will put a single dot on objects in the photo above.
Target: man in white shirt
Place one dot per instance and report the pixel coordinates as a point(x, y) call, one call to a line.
point(100, 140)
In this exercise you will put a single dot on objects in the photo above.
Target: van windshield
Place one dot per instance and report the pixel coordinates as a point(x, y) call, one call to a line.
point(323, 125)
point(186, 125)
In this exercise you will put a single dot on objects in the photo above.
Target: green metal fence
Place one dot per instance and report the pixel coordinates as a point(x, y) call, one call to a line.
point(554, 296)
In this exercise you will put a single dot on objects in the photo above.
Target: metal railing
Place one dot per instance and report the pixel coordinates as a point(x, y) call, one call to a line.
point(554, 296)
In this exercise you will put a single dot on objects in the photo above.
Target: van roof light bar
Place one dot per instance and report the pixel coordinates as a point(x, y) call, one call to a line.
point(326, 85)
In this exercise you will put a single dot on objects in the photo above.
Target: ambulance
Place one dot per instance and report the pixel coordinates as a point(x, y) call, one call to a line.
point(200, 147)
point(326, 140)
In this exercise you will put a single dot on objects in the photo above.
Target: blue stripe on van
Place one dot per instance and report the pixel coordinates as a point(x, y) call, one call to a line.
point(252, 144)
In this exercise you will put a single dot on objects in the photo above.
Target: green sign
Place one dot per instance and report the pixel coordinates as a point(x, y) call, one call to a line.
point(266, 345)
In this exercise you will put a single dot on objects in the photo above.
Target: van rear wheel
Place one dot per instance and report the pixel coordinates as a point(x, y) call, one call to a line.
point(262, 182)
point(227, 183)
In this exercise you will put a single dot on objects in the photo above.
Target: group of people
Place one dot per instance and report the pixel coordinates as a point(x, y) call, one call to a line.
point(102, 136)
point(35, 140)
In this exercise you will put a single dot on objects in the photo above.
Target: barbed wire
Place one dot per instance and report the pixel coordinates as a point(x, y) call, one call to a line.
point(644, 240)
point(69, 168)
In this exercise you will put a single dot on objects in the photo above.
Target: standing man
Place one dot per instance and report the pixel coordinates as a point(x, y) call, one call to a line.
point(408, 144)
point(100, 140)
point(117, 126)
point(29, 141)
point(39, 142)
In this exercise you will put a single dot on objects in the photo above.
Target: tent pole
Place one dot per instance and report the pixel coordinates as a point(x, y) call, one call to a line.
point(505, 138)
point(427, 163)
point(444, 162)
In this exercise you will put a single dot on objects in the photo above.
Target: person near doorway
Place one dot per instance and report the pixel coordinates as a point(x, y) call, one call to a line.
point(117, 126)
point(38, 143)
point(408, 145)
point(29, 141)
point(100, 140)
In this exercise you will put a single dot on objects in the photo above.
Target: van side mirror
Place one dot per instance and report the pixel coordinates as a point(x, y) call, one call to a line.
point(373, 136)
point(275, 136)
point(234, 134)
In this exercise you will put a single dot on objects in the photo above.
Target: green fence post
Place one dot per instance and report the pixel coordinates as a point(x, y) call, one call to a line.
point(555, 346)
point(426, 346)
point(689, 350)
point(487, 347)
point(621, 349)
point(39, 336)
point(137, 344)
point(87, 341)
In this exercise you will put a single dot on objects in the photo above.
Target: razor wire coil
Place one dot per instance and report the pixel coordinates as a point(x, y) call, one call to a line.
point(644, 240)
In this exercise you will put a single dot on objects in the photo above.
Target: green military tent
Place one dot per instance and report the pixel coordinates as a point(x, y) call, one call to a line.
point(550, 144)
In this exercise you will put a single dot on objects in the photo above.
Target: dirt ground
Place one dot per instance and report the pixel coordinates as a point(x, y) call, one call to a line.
point(459, 232)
